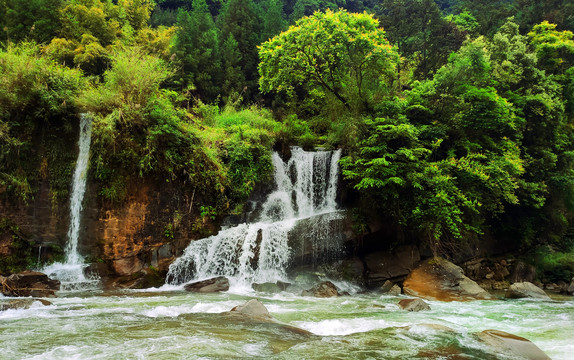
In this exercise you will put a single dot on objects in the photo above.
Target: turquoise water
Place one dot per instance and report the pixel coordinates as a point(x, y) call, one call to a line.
point(160, 324)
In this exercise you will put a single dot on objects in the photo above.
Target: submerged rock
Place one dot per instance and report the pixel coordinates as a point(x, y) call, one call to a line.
point(212, 285)
point(525, 290)
point(511, 345)
point(413, 305)
point(324, 289)
point(390, 288)
point(253, 311)
point(253, 308)
point(267, 287)
point(29, 283)
point(439, 279)
point(21, 303)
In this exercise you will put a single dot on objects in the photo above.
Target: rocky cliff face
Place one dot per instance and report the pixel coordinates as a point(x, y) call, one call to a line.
point(146, 231)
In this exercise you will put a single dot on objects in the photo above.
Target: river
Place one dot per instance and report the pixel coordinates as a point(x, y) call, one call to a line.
point(169, 323)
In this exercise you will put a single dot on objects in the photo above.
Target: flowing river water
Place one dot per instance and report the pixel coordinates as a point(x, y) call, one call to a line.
point(170, 323)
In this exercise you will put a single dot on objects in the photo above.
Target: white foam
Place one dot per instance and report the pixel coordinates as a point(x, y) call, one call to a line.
point(345, 326)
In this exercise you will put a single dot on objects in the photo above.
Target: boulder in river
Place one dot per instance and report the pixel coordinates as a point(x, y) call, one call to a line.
point(414, 305)
point(253, 308)
point(254, 312)
point(439, 279)
point(323, 289)
point(512, 346)
point(390, 288)
point(29, 283)
point(212, 285)
point(525, 290)
point(9, 304)
point(267, 287)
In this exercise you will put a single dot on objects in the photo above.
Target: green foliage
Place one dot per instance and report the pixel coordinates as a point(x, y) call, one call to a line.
point(250, 136)
point(241, 19)
point(91, 30)
point(420, 33)
point(34, 20)
point(554, 49)
point(344, 55)
point(553, 266)
point(197, 49)
point(36, 96)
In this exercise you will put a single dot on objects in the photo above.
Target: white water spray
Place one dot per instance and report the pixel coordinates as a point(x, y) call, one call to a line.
point(71, 273)
point(306, 186)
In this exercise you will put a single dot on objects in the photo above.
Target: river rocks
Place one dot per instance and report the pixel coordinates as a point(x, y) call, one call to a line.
point(267, 287)
point(254, 312)
point(413, 305)
point(322, 290)
point(13, 304)
point(253, 308)
point(439, 279)
point(212, 285)
point(29, 283)
point(525, 290)
point(390, 289)
point(512, 346)
point(395, 266)
point(270, 287)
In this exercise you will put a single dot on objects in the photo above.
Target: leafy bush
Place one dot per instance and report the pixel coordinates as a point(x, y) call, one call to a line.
point(37, 96)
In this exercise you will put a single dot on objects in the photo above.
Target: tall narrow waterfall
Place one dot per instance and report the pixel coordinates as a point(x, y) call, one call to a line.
point(305, 186)
point(71, 273)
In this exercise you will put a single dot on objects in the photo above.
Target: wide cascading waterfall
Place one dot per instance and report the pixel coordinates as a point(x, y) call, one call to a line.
point(306, 186)
point(71, 273)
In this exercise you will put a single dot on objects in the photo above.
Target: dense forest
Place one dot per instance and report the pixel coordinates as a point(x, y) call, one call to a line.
point(456, 117)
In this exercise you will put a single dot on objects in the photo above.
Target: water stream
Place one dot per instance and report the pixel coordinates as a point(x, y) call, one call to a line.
point(71, 273)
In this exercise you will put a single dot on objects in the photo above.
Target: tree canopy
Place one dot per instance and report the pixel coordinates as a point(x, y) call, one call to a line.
point(341, 54)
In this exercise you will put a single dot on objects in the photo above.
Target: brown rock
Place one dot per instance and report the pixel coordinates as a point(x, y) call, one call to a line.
point(525, 290)
point(413, 305)
point(395, 266)
point(209, 286)
point(395, 290)
point(324, 289)
point(523, 272)
point(439, 279)
point(388, 285)
point(127, 266)
point(29, 283)
point(511, 345)
point(21, 303)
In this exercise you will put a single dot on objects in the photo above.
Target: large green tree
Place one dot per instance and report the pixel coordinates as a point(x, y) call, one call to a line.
point(197, 48)
point(241, 19)
point(36, 20)
point(330, 53)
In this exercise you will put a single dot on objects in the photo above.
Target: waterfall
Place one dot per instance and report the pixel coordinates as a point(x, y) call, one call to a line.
point(305, 186)
point(71, 273)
